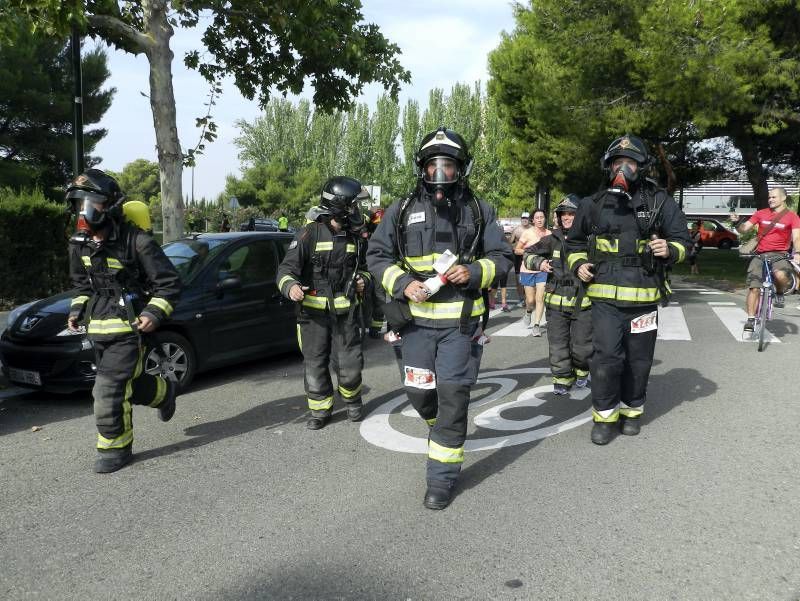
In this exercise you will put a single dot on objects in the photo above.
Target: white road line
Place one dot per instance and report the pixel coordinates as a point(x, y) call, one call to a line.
point(672, 324)
point(690, 289)
point(709, 293)
point(733, 319)
point(721, 304)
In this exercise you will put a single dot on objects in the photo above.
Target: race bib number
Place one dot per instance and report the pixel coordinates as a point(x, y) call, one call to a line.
point(645, 323)
point(445, 261)
point(417, 377)
point(416, 218)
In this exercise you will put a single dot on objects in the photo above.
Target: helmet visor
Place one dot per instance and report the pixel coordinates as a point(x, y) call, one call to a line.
point(440, 170)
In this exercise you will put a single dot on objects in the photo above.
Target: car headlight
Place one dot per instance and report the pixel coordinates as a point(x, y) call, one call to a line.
point(17, 313)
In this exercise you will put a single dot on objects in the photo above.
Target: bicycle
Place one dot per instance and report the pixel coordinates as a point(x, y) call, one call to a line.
point(766, 298)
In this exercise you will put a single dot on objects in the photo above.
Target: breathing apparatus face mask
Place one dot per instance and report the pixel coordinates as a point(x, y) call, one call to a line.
point(440, 176)
point(91, 210)
point(624, 175)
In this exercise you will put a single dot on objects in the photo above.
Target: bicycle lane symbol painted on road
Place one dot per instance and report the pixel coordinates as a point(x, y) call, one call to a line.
point(378, 430)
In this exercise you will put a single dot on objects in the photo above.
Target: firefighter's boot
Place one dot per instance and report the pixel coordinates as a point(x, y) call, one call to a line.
point(167, 407)
point(112, 459)
point(438, 495)
point(355, 411)
point(631, 426)
point(317, 422)
point(602, 432)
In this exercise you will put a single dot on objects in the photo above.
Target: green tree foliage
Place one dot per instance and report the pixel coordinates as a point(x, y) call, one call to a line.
point(290, 151)
point(36, 145)
point(139, 180)
point(262, 46)
point(691, 77)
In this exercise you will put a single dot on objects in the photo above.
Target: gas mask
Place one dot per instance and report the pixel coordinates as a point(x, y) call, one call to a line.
point(90, 208)
point(440, 176)
point(624, 178)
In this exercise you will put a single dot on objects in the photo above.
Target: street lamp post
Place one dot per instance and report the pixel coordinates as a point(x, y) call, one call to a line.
point(77, 114)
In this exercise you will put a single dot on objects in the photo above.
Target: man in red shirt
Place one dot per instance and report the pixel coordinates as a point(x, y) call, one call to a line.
point(782, 228)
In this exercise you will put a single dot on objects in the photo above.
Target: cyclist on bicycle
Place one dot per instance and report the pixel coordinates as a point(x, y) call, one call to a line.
point(778, 227)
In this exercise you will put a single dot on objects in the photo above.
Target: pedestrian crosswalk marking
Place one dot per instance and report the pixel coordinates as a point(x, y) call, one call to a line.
point(517, 328)
point(713, 293)
point(672, 324)
point(733, 318)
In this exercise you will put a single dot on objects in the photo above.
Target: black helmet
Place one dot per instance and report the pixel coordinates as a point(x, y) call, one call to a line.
point(569, 204)
point(96, 197)
point(442, 161)
point(340, 199)
point(625, 178)
point(626, 146)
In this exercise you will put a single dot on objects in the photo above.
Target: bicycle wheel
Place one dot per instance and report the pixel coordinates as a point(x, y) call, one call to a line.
point(763, 312)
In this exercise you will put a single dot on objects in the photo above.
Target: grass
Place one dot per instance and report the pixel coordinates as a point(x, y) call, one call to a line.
point(724, 268)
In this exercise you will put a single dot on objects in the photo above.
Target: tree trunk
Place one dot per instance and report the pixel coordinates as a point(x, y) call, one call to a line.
point(745, 144)
point(162, 104)
point(672, 181)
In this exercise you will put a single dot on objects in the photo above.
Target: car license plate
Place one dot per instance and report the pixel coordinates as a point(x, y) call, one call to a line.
point(24, 376)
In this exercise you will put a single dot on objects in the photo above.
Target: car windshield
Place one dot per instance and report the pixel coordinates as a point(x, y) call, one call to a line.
point(189, 256)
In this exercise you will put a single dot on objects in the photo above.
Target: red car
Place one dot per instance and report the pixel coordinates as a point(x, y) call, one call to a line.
point(714, 233)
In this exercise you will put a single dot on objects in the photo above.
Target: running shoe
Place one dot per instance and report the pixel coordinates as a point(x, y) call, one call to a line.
point(750, 324)
point(536, 330)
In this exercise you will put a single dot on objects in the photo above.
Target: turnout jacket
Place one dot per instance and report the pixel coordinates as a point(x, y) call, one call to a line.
point(561, 290)
point(120, 278)
point(327, 263)
point(426, 233)
point(608, 233)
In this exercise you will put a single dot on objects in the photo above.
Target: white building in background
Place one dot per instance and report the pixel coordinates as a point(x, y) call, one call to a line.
point(718, 198)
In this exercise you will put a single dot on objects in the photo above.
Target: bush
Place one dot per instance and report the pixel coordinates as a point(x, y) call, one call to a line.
point(34, 258)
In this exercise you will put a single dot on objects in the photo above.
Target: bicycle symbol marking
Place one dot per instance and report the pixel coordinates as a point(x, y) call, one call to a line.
point(377, 429)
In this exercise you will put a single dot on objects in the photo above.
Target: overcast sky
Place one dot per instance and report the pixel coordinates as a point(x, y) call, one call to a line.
point(442, 42)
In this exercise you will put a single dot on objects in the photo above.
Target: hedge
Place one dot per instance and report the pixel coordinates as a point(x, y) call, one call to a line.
point(34, 259)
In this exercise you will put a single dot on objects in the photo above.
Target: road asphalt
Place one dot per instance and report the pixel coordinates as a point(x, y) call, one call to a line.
point(235, 499)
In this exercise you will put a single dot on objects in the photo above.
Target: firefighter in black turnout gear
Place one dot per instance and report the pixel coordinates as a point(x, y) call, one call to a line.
point(623, 238)
point(435, 254)
point(126, 287)
point(569, 320)
point(324, 271)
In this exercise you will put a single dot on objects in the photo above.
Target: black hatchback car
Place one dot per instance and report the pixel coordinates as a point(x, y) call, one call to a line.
point(230, 310)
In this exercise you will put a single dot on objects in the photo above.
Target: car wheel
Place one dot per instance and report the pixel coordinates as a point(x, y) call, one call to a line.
point(725, 244)
point(172, 357)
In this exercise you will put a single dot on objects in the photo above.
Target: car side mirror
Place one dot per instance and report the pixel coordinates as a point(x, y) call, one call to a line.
point(229, 283)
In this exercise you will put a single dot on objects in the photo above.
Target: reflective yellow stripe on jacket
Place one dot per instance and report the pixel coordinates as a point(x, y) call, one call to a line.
point(162, 304)
point(487, 272)
point(429, 310)
point(390, 277)
point(573, 258)
point(557, 301)
point(623, 293)
point(111, 325)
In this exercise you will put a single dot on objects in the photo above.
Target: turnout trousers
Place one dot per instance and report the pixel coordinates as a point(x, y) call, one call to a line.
point(439, 368)
point(120, 384)
point(327, 339)
point(624, 340)
point(570, 344)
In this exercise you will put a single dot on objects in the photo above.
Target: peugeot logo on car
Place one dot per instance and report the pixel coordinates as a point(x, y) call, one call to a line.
point(28, 323)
